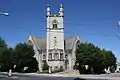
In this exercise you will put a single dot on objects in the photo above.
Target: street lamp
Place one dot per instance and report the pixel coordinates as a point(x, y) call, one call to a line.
point(6, 14)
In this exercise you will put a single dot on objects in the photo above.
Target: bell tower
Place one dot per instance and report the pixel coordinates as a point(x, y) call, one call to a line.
point(55, 38)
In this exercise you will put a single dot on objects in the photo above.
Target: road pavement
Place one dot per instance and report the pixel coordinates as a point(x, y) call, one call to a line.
point(23, 76)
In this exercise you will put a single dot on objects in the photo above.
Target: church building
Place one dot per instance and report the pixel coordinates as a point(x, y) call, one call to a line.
point(56, 50)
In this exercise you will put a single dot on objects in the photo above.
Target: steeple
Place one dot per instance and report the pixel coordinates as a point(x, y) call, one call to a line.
point(55, 36)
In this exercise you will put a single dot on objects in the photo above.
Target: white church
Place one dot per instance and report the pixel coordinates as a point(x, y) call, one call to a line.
point(56, 50)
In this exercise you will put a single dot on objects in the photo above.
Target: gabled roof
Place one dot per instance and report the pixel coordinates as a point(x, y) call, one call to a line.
point(69, 42)
point(41, 43)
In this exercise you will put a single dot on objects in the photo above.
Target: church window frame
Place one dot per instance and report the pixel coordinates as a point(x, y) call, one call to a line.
point(50, 56)
point(55, 24)
point(61, 50)
point(61, 56)
point(56, 56)
point(44, 56)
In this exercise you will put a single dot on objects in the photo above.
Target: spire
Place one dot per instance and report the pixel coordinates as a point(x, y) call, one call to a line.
point(48, 10)
point(61, 10)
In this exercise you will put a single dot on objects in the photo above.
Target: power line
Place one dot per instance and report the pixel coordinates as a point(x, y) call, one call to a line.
point(118, 36)
point(88, 25)
point(92, 25)
point(70, 32)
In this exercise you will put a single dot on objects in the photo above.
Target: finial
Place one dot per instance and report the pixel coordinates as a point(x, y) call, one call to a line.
point(48, 5)
point(61, 5)
point(48, 10)
point(61, 10)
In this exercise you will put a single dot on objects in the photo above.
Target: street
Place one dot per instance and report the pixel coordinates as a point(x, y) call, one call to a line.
point(4, 76)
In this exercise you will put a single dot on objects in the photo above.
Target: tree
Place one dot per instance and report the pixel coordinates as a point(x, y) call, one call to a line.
point(109, 59)
point(24, 57)
point(6, 59)
point(2, 43)
point(17, 59)
point(96, 59)
point(5, 56)
point(83, 56)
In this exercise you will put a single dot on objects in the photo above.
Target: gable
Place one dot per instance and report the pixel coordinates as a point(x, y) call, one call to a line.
point(68, 42)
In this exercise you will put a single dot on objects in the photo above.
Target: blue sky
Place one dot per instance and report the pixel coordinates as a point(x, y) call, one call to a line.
point(94, 21)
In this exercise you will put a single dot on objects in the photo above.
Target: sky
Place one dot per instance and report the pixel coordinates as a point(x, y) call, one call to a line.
point(95, 21)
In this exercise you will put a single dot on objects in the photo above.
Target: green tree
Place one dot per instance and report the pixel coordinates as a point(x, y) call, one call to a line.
point(6, 56)
point(83, 56)
point(109, 59)
point(6, 59)
point(2, 43)
point(96, 59)
point(24, 57)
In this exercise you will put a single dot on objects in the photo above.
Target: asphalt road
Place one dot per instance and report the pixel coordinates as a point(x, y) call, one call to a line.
point(4, 76)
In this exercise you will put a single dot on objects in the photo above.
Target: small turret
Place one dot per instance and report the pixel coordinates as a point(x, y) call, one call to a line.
point(48, 10)
point(61, 10)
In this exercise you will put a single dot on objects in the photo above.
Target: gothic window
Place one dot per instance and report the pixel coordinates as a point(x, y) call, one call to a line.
point(50, 50)
point(61, 56)
point(55, 24)
point(50, 56)
point(61, 50)
point(44, 56)
point(56, 56)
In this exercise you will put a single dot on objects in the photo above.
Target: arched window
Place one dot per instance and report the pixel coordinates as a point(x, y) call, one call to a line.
point(50, 56)
point(55, 24)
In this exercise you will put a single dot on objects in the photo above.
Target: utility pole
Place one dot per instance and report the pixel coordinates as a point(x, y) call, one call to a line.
point(118, 28)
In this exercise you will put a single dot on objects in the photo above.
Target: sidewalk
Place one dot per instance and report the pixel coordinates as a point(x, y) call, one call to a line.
point(76, 75)
point(52, 75)
point(90, 76)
